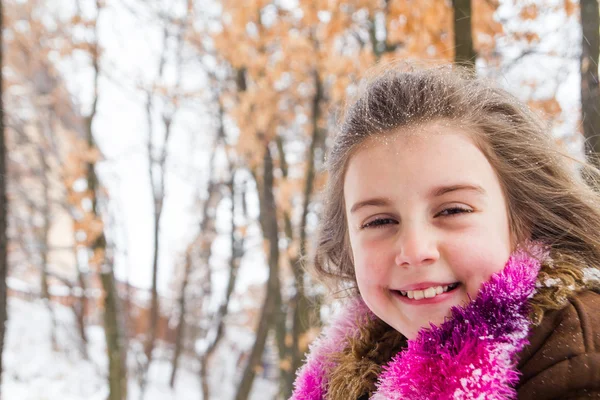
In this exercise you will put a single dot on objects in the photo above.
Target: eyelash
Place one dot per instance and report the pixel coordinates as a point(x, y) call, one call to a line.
point(450, 212)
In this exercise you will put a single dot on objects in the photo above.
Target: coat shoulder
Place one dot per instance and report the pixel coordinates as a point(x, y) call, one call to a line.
point(562, 360)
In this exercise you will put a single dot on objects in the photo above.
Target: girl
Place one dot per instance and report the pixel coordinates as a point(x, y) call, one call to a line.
point(470, 245)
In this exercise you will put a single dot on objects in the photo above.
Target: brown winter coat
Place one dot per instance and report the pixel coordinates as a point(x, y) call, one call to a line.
point(563, 358)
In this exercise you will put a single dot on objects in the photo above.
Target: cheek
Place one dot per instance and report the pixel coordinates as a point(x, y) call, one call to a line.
point(371, 261)
point(474, 260)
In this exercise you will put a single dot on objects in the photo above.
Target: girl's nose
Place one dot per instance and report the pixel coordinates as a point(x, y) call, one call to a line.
point(417, 246)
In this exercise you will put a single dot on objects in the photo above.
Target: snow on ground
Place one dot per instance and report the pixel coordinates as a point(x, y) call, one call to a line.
point(33, 370)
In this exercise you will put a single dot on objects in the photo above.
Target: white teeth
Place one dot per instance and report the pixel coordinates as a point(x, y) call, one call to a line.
point(425, 294)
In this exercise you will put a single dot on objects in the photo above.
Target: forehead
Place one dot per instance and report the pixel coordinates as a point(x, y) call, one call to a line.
point(416, 159)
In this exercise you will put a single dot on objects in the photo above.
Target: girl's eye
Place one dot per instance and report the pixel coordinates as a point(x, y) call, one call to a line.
point(453, 211)
point(379, 222)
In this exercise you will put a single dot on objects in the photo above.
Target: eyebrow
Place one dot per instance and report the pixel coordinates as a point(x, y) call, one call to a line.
point(441, 190)
point(377, 201)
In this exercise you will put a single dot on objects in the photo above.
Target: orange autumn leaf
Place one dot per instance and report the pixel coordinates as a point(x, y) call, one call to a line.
point(550, 107)
point(529, 12)
point(97, 258)
point(485, 26)
point(570, 7)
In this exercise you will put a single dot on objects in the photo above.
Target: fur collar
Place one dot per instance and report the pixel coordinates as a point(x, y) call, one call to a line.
point(472, 355)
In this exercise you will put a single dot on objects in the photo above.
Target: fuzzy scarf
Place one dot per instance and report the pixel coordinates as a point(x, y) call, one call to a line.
point(472, 355)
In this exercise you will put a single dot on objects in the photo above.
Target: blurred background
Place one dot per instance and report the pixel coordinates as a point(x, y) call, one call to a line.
point(162, 162)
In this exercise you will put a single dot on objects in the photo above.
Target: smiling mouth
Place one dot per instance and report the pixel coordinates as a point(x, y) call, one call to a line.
point(428, 293)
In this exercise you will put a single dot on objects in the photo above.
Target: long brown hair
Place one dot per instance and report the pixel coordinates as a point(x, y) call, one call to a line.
point(551, 196)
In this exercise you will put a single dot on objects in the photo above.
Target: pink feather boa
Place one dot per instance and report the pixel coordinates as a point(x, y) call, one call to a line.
point(472, 355)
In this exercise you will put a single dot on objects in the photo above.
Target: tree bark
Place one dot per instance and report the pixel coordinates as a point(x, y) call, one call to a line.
point(268, 220)
point(3, 206)
point(157, 180)
point(300, 304)
point(383, 46)
point(80, 309)
point(181, 323)
point(157, 187)
point(45, 209)
point(590, 91)
point(237, 249)
point(207, 229)
point(115, 343)
point(116, 346)
point(463, 35)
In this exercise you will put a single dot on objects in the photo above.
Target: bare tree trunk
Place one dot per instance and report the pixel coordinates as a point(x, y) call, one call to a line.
point(203, 381)
point(181, 323)
point(590, 91)
point(3, 207)
point(237, 250)
point(80, 309)
point(157, 178)
point(206, 291)
point(301, 318)
point(76, 307)
point(45, 210)
point(463, 36)
point(157, 187)
point(291, 356)
point(268, 220)
point(116, 346)
point(207, 229)
point(380, 46)
point(157, 182)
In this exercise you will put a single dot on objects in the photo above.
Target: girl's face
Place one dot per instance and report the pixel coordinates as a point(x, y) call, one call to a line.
point(428, 224)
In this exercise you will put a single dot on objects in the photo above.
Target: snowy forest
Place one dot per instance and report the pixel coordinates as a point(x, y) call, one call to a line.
point(161, 164)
